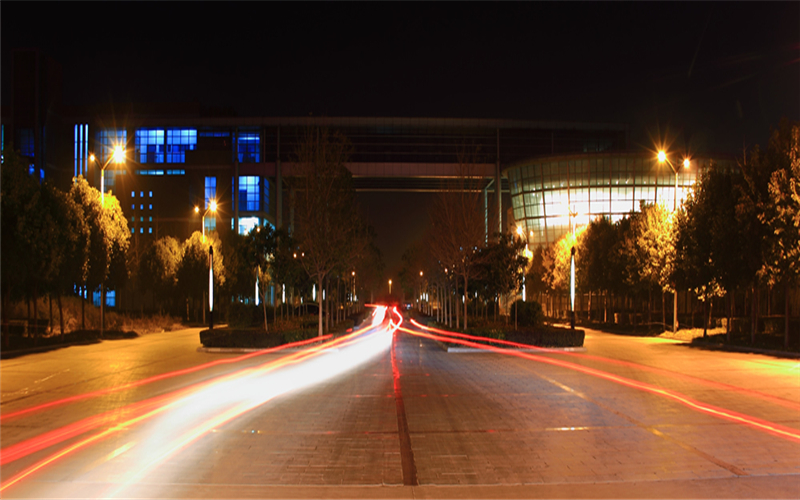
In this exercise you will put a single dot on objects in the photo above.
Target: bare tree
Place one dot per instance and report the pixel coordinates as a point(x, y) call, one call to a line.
point(326, 208)
point(457, 222)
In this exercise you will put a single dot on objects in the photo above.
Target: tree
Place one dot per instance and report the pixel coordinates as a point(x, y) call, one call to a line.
point(109, 238)
point(700, 242)
point(781, 214)
point(594, 257)
point(457, 224)
point(326, 210)
point(30, 233)
point(504, 267)
point(158, 269)
point(260, 246)
point(655, 241)
point(193, 269)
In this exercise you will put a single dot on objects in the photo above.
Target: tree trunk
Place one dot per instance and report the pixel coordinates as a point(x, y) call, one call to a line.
point(60, 315)
point(786, 312)
point(50, 318)
point(705, 319)
point(264, 306)
point(319, 312)
point(466, 301)
point(663, 309)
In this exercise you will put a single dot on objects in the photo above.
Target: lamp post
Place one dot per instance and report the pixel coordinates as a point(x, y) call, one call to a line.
point(662, 157)
point(212, 207)
point(572, 215)
point(390, 287)
point(118, 157)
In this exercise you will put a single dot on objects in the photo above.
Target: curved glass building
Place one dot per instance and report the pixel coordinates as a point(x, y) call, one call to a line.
point(548, 194)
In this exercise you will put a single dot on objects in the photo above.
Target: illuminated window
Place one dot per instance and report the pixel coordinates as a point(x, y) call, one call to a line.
point(150, 172)
point(133, 194)
point(213, 133)
point(26, 142)
point(179, 141)
point(249, 193)
point(150, 230)
point(247, 224)
point(150, 145)
point(81, 150)
point(107, 139)
point(176, 172)
point(151, 194)
point(211, 189)
point(249, 147)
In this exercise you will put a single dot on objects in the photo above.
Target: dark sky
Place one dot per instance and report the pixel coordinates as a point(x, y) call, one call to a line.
point(716, 75)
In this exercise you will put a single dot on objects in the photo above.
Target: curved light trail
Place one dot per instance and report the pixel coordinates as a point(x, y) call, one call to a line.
point(630, 364)
point(214, 402)
point(756, 423)
point(156, 378)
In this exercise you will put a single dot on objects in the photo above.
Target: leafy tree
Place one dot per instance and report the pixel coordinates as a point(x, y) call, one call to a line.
point(261, 245)
point(158, 269)
point(655, 241)
point(593, 259)
point(193, 269)
point(109, 238)
point(781, 214)
point(29, 233)
point(700, 239)
point(503, 268)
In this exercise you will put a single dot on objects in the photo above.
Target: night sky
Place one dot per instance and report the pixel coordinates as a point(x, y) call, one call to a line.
point(713, 75)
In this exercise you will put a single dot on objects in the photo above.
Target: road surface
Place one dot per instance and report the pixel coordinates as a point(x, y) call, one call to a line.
point(390, 414)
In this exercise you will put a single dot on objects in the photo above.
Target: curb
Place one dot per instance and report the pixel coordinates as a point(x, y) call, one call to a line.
point(751, 350)
point(541, 350)
point(244, 350)
point(4, 354)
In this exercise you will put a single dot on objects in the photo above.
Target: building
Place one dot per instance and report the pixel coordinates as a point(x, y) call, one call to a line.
point(551, 194)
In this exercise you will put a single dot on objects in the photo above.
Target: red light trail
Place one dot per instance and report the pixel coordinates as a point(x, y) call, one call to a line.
point(629, 364)
point(139, 412)
point(155, 378)
point(763, 425)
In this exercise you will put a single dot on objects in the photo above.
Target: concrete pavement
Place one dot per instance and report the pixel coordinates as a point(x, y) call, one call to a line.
point(486, 426)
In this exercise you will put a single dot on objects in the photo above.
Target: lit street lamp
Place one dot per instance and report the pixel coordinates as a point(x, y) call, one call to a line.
point(117, 156)
point(212, 207)
point(662, 157)
point(390, 287)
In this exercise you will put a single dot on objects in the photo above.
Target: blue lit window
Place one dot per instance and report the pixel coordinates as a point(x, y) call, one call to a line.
point(133, 230)
point(150, 145)
point(133, 207)
point(249, 147)
point(150, 230)
point(151, 194)
point(176, 172)
point(211, 189)
point(180, 140)
point(141, 194)
point(151, 206)
point(107, 139)
point(111, 298)
point(133, 194)
point(151, 219)
point(141, 230)
point(81, 150)
point(141, 207)
point(213, 133)
point(149, 172)
point(26, 142)
point(249, 193)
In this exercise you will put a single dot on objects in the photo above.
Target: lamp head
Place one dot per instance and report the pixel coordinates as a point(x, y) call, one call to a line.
point(213, 205)
point(662, 156)
point(686, 163)
point(119, 154)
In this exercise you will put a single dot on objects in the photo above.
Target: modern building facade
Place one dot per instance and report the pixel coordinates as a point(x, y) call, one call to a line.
point(551, 194)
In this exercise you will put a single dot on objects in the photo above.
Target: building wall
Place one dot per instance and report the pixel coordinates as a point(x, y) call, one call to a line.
point(550, 193)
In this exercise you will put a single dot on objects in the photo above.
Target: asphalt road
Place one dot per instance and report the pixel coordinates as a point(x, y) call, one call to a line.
point(396, 416)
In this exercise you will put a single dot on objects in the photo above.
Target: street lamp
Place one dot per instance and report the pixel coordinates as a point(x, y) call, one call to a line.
point(212, 207)
point(662, 158)
point(117, 156)
point(390, 287)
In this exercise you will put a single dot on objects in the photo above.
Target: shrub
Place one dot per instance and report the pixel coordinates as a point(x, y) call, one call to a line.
point(530, 313)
